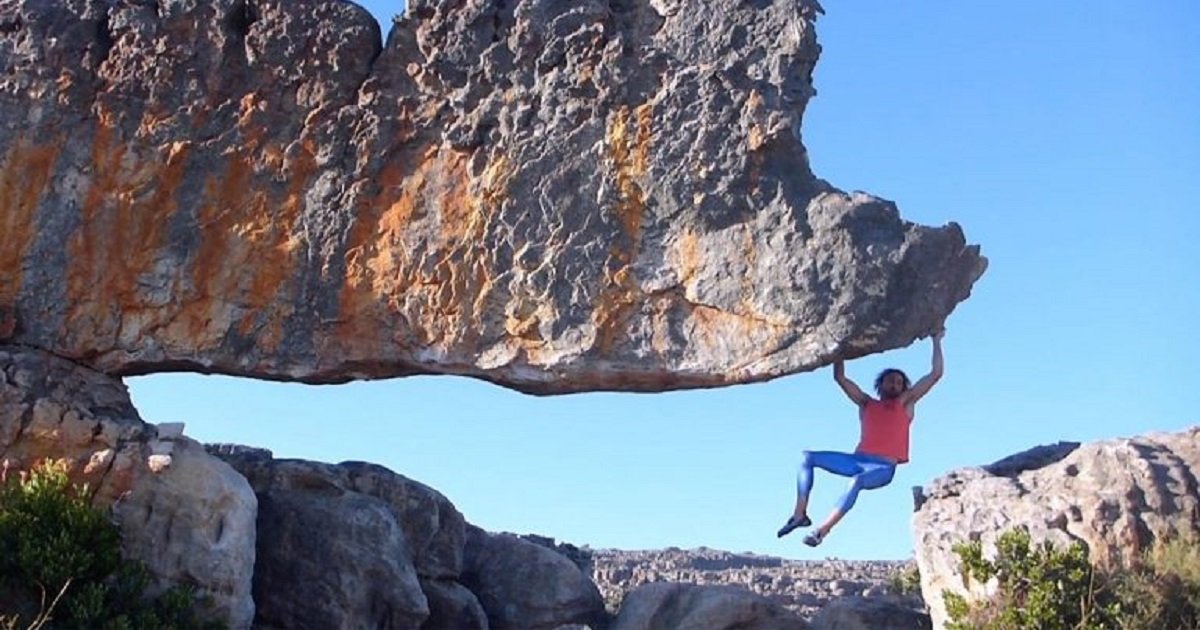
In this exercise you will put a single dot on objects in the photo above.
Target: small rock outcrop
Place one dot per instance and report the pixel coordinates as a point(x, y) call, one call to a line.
point(527, 586)
point(352, 545)
point(553, 196)
point(871, 613)
point(1115, 496)
point(674, 606)
point(187, 516)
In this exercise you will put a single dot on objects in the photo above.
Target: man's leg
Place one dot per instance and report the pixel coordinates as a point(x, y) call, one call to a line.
point(874, 474)
point(844, 464)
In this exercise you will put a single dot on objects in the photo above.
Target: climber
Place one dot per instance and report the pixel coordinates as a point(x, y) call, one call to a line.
point(884, 424)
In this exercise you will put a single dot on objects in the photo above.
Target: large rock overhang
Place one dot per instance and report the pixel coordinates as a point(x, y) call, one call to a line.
point(552, 196)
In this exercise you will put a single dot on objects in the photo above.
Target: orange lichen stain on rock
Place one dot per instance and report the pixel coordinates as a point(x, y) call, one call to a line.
point(755, 136)
point(752, 110)
point(629, 149)
point(466, 208)
point(153, 118)
point(438, 288)
point(251, 130)
point(686, 256)
point(382, 256)
point(379, 261)
point(246, 254)
point(118, 237)
point(24, 173)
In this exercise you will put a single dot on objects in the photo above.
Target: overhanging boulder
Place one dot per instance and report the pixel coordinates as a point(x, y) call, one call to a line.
point(554, 196)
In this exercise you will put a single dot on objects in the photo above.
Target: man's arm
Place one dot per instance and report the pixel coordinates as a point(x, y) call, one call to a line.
point(922, 386)
point(848, 386)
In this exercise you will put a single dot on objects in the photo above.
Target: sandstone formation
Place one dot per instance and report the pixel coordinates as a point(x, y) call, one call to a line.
point(870, 613)
point(351, 545)
point(554, 196)
point(354, 545)
point(679, 606)
point(1115, 496)
point(526, 586)
point(184, 514)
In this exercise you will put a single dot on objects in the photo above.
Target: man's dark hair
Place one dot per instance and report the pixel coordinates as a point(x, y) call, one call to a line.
point(884, 374)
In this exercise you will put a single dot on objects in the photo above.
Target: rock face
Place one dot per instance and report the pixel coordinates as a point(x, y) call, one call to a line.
point(554, 196)
point(186, 515)
point(352, 545)
point(1115, 496)
point(526, 586)
point(673, 606)
point(870, 613)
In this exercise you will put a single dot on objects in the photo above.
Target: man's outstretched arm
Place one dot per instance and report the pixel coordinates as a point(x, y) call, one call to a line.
point(848, 386)
point(922, 386)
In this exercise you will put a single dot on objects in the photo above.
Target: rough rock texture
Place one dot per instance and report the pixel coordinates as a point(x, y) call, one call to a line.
point(672, 606)
point(1115, 496)
point(451, 605)
point(555, 196)
point(188, 516)
point(333, 561)
point(524, 585)
point(351, 545)
point(870, 613)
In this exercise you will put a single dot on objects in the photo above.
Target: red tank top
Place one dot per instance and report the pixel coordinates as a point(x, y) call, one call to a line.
point(885, 427)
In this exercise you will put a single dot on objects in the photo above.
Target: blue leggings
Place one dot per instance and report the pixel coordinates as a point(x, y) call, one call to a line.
point(866, 472)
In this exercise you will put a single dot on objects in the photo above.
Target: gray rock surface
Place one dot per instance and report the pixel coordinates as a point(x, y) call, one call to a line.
point(352, 545)
point(184, 514)
point(871, 613)
point(527, 586)
point(1115, 496)
point(676, 606)
point(333, 559)
point(452, 606)
point(554, 196)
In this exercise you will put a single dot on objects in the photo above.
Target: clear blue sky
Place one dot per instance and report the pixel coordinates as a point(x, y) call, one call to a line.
point(1063, 136)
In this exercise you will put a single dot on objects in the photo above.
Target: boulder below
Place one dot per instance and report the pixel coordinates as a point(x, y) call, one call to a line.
point(1115, 496)
point(186, 515)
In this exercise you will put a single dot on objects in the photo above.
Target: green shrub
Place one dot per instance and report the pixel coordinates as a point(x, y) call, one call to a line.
point(60, 564)
point(1040, 586)
point(906, 581)
point(1164, 590)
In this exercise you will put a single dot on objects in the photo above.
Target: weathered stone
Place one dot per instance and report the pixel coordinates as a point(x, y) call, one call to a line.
point(333, 559)
point(1116, 496)
point(871, 613)
point(675, 606)
point(354, 545)
point(527, 586)
point(554, 196)
point(451, 605)
point(433, 529)
point(190, 523)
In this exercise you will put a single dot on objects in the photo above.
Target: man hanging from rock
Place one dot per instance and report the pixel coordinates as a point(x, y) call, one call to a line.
point(885, 426)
